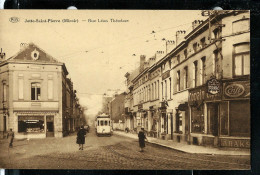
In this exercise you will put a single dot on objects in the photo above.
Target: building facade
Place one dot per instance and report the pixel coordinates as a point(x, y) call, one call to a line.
point(33, 95)
point(199, 92)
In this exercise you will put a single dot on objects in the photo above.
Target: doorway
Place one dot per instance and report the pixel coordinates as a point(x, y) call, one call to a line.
point(50, 126)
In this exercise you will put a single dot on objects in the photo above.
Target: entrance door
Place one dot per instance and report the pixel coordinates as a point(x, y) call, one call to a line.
point(213, 114)
point(50, 126)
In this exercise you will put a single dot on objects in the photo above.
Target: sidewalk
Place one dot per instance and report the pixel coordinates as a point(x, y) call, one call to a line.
point(187, 148)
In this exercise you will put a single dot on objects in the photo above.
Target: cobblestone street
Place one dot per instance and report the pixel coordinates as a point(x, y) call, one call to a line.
point(114, 152)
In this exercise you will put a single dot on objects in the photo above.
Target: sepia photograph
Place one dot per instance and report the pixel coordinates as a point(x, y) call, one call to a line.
point(125, 89)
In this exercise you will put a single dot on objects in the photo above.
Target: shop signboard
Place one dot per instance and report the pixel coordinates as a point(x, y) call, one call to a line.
point(235, 143)
point(200, 94)
point(213, 86)
point(166, 75)
point(236, 89)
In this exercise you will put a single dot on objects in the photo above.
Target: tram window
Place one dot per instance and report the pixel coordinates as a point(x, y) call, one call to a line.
point(101, 122)
point(105, 123)
point(98, 123)
point(108, 123)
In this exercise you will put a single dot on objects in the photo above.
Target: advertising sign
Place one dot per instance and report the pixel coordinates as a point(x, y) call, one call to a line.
point(213, 86)
point(237, 89)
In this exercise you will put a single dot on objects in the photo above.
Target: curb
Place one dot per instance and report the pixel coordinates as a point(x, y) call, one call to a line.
point(169, 147)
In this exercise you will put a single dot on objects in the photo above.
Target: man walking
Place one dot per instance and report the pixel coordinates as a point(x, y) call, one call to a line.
point(142, 138)
point(11, 135)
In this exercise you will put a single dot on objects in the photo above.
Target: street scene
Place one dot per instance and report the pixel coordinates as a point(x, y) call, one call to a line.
point(115, 152)
point(146, 90)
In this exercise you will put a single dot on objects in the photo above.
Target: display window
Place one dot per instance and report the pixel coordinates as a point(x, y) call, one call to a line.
point(31, 124)
point(239, 117)
point(197, 119)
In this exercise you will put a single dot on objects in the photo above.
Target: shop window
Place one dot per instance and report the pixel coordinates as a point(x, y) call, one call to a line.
point(212, 118)
point(197, 119)
point(35, 91)
point(179, 127)
point(239, 118)
point(241, 59)
point(31, 124)
point(241, 25)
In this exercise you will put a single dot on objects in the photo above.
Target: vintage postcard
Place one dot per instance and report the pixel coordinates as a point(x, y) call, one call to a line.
point(125, 89)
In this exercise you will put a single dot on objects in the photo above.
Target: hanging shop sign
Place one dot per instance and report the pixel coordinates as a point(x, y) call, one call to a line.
point(237, 89)
point(213, 86)
point(166, 75)
point(200, 94)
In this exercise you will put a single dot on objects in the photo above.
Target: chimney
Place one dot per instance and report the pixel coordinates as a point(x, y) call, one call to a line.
point(152, 60)
point(196, 23)
point(2, 55)
point(159, 55)
point(142, 60)
point(180, 34)
point(170, 44)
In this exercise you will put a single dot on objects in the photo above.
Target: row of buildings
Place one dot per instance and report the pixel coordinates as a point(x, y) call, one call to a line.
point(37, 97)
point(199, 91)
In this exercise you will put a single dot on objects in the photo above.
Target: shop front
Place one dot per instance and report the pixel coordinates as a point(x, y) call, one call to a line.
point(181, 123)
point(235, 119)
point(35, 125)
point(221, 119)
point(204, 110)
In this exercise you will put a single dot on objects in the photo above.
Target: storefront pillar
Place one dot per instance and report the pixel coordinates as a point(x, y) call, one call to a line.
point(45, 125)
point(205, 119)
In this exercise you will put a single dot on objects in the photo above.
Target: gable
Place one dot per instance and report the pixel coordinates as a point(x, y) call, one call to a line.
point(33, 53)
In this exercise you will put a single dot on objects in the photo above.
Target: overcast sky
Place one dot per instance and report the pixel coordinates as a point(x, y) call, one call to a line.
point(97, 55)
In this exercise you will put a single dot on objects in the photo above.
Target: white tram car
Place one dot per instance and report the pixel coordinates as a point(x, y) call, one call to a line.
point(103, 125)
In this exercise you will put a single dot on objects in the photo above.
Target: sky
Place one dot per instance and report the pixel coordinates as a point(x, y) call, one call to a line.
point(96, 54)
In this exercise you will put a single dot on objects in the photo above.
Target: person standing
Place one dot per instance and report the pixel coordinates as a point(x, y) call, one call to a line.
point(81, 137)
point(142, 139)
point(11, 135)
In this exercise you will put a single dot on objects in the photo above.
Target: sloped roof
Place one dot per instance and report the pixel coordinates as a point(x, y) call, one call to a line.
point(27, 54)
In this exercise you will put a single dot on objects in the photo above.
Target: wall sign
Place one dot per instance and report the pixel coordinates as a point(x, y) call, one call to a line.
point(235, 143)
point(166, 75)
point(200, 94)
point(237, 89)
point(213, 86)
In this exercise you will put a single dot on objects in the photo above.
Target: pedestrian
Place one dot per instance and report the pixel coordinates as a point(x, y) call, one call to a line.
point(142, 138)
point(11, 138)
point(81, 137)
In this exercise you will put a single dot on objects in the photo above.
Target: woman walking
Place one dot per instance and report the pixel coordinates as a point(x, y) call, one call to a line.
point(81, 137)
point(142, 137)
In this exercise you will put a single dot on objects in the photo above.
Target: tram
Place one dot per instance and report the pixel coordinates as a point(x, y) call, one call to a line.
point(103, 125)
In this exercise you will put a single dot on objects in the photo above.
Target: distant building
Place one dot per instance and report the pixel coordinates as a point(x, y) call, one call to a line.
point(117, 111)
point(36, 95)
